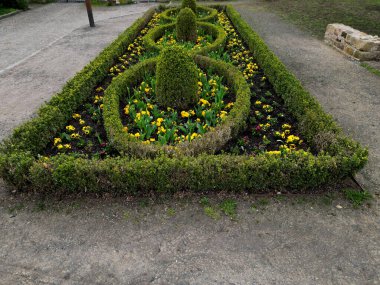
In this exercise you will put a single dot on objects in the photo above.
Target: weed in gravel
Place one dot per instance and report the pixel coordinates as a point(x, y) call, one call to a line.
point(212, 213)
point(357, 198)
point(170, 212)
point(228, 207)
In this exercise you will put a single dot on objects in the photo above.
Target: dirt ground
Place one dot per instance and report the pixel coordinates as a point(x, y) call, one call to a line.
point(273, 239)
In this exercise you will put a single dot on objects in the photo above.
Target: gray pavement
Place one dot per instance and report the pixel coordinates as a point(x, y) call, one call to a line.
point(302, 239)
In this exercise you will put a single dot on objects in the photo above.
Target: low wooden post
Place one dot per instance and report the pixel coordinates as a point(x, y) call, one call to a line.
point(89, 13)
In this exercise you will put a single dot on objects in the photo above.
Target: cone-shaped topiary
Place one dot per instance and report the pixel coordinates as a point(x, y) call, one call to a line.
point(177, 82)
point(189, 4)
point(186, 26)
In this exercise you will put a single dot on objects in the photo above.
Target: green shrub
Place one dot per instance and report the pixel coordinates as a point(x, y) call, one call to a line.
point(177, 83)
point(186, 26)
point(189, 4)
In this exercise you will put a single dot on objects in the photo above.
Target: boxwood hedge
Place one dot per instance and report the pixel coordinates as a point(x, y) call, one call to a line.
point(216, 32)
point(338, 156)
point(210, 142)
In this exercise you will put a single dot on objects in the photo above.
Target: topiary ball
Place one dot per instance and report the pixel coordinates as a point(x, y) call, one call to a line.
point(189, 4)
point(186, 26)
point(177, 82)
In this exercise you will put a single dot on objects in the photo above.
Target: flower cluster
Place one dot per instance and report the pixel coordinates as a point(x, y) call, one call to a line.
point(270, 127)
point(144, 120)
point(135, 50)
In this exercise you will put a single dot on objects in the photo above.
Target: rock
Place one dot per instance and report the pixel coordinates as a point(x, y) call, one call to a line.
point(352, 42)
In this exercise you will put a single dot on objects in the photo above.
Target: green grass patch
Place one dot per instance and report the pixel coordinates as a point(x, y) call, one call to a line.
point(357, 198)
point(229, 207)
point(211, 212)
point(370, 68)
point(314, 15)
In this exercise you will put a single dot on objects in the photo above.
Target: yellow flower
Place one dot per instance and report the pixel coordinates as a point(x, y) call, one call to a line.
point(60, 146)
point(86, 129)
point(223, 114)
point(258, 102)
point(203, 113)
point(82, 122)
point(70, 128)
point(185, 114)
point(292, 139)
point(126, 110)
point(159, 121)
point(75, 136)
point(152, 139)
point(67, 146)
point(99, 89)
point(150, 106)
point(137, 135)
point(57, 141)
point(204, 102)
point(125, 129)
point(161, 130)
point(76, 116)
point(286, 126)
point(229, 105)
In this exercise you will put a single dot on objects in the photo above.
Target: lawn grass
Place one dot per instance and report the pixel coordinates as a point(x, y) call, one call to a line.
point(4, 11)
point(314, 15)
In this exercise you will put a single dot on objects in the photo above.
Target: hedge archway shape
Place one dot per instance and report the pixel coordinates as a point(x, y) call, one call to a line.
point(210, 142)
point(216, 31)
point(168, 17)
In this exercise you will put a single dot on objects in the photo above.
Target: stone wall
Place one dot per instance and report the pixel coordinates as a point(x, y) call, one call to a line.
point(353, 42)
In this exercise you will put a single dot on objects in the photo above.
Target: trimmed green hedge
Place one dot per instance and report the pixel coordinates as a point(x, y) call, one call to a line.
point(186, 25)
point(167, 17)
point(176, 79)
point(210, 142)
point(338, 155)
point(215, 31)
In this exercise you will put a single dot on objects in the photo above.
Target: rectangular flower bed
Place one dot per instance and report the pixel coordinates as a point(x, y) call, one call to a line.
point(287, 141)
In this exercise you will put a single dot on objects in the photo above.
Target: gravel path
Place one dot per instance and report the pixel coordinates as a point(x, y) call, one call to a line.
point(293, 240)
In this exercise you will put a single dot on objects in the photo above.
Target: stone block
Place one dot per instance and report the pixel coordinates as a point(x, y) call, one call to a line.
point(353, 42)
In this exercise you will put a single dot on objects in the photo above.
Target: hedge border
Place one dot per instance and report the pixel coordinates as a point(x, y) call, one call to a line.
point(209, 18)
point(210, 142)
point(216, 31)
point(338, 156)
